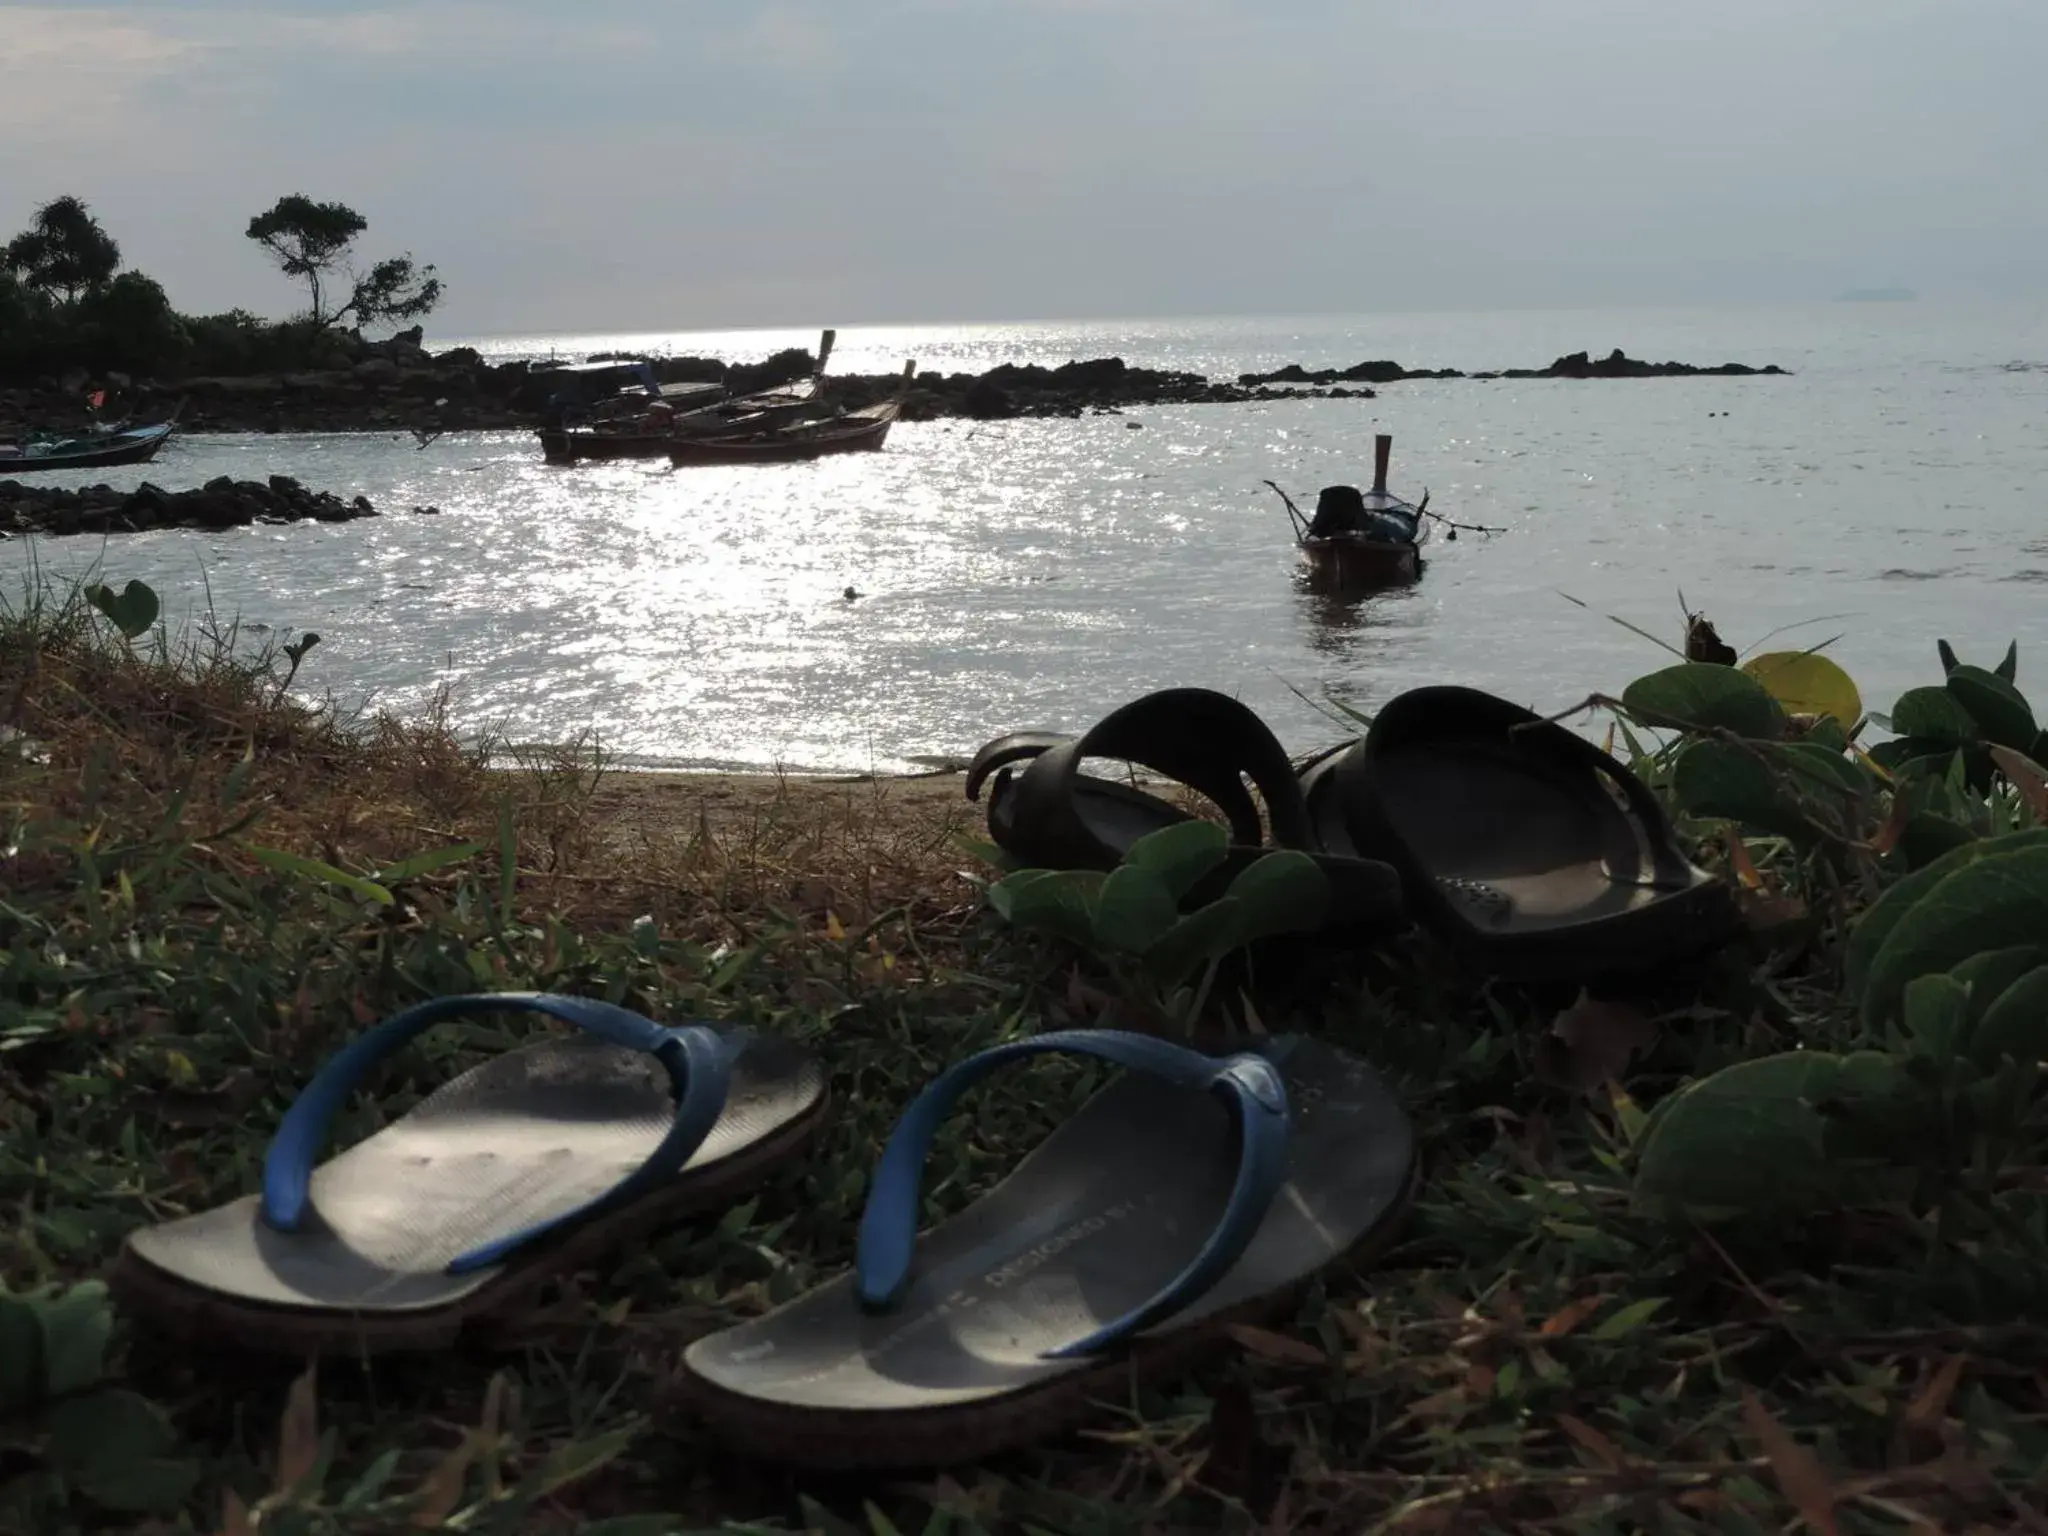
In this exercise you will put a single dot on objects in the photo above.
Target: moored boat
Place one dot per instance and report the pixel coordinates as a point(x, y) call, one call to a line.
point(647, 423)
point(93, 450)
point(1365, 539)
point(861, 431)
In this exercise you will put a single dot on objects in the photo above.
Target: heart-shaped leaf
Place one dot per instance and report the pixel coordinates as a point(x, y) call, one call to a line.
point(1806, 683)
point(1995, 902)
point(1876, 925)
point(1281, 892)
point(1936, 1011)
point(133, 609)
point(1746, 1140)
point(76, 1324)
point(1702, 696)
point(1180, 854)
point(2015, 1023)
point(2000, 710)
point(1133, 910)
point(113, 1445)
point(1723, 780)
point(1060, 902)
point(1934, 719)
point(1204, 935)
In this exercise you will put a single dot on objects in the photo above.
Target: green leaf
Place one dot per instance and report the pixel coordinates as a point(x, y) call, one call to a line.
point(426, 863)
point(1702, 696)
point(2009, 668)
point(313, 869)
point(1284, 891)
point(2000, 710)
point(1060, 902)
point(1133, 910)
point(1180, 854)
point(1627, 1320)
point(1936, 1011)
point(2015, 1023)
point(132, 610)
point(1816, 768)
point(1725, 781)
point(1748, 1140)
point(1933, 718)
point(1877, 923)
point(112, 1446)
point(21, 1354)
point(1207, 934)
point(1988, 903)
point(1947, 653)
point(76, 1325)
point(1989, 974)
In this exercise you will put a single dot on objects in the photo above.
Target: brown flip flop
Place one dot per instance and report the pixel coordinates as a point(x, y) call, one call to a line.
point(514, 1173)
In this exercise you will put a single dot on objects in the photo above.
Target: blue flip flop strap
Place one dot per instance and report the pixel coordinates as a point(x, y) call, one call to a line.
point(696, 1059)
point(1249, 1085)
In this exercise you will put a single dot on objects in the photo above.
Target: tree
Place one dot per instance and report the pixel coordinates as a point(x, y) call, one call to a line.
point(315, 242)
point(63, 251)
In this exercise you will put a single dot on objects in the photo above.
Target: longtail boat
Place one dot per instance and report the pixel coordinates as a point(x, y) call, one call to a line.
point(93, 450)
point(1363, 539)
point(859, 431)
point(646, 424)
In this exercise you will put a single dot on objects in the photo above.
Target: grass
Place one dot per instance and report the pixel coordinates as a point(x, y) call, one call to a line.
point(1538, 1353)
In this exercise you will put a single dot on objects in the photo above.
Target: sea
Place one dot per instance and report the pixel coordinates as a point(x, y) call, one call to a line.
point(1892, 489)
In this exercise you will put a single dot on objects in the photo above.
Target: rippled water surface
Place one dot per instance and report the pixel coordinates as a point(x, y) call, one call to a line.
point(1037, 573)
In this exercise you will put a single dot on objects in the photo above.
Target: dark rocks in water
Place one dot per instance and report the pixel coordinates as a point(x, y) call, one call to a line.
point(1619, 365)
point(1376, 372)
point(987, 400)
point(220, 503)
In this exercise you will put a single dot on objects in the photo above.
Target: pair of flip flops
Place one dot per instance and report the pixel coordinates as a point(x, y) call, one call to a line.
point(1532, 852)
point(1190, 1193)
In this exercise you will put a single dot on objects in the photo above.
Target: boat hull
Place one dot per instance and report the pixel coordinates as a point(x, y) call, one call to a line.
point(1349, 562)
point(137, 447)
point(790, 448)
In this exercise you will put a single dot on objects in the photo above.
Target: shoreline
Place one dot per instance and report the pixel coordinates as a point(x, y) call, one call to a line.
point(400, 387)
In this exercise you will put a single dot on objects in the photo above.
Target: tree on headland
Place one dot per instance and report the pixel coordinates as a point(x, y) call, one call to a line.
point(63, 251)
point(314, 242)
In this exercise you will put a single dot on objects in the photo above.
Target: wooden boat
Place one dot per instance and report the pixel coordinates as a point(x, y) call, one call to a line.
point(95, 450)
point(645, 425)
point(861, 431)
point(1361, 540)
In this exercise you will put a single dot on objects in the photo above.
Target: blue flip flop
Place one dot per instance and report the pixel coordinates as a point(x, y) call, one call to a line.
point(1192, 1192)
point(515, 1172)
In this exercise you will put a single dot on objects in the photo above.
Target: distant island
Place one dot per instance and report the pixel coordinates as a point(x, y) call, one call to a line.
point(1877, 296)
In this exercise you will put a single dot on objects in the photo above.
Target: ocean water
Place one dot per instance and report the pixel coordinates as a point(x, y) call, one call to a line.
point(1038, 573)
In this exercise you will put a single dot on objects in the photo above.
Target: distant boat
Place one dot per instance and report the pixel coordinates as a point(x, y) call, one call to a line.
point(95, 450)
point(1878, 296)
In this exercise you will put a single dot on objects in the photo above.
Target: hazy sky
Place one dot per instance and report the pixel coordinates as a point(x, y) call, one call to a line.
point(647, 164)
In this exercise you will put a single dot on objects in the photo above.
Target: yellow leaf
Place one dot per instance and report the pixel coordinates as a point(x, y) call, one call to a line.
point(1807, 684)
point(834, 929)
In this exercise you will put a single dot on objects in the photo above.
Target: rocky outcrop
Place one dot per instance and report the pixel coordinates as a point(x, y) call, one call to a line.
point(220, 503)
point(1575, 365)
point(393, 386)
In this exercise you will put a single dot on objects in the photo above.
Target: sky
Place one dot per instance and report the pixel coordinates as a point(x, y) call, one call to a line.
point(600, 165)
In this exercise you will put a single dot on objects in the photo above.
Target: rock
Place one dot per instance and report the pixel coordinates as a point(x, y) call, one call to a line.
point(285, 485)
point(988, 401)
point(376, 370)
point(426, 511)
